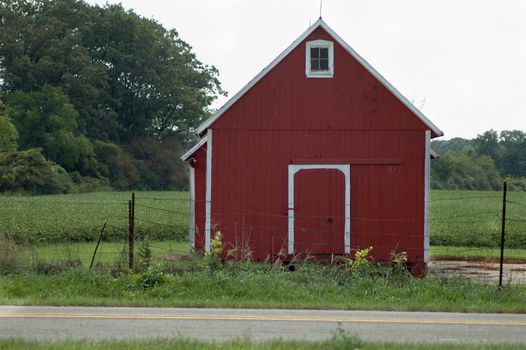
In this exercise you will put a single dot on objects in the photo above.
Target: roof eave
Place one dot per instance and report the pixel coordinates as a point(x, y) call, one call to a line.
point(194, 149)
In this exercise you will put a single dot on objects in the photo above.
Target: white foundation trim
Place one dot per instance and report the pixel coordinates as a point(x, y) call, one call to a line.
point(191, 228)
point(427, 175)
point(208, 199)
point(346, 170)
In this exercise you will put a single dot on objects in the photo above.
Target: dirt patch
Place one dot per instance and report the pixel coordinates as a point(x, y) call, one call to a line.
point(482, 271)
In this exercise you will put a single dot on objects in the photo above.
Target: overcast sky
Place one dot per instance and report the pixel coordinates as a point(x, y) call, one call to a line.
point(462, 62)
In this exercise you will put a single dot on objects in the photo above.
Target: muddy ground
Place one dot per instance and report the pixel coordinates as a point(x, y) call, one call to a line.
point(483, 271)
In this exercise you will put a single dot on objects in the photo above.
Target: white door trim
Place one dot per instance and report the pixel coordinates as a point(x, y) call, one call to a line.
point(346, 170)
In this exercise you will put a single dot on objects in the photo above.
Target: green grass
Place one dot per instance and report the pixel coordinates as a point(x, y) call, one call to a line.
point(473, 219)
point(476, 253)
point(342, 342)
point(79, 217)
point(243, 285)
point(107, 253)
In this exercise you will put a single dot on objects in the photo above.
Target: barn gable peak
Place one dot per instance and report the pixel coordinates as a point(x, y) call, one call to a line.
point(326, 72)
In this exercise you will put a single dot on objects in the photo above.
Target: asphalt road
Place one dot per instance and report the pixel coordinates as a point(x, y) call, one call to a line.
point(95, 323)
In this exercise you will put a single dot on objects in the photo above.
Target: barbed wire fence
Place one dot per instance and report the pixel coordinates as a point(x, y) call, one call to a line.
point(47, 232)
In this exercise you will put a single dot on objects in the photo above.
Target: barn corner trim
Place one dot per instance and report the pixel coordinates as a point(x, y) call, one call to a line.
point(346, 170)
point(320, 23)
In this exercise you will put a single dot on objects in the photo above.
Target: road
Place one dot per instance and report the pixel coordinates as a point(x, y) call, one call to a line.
point(96, 323)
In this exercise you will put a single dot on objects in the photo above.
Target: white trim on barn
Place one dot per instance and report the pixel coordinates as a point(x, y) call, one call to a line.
point(346, 170)
point(208, 197)
point(191, 229)
point(427, 175)
point(319, 23)
point(192, 150)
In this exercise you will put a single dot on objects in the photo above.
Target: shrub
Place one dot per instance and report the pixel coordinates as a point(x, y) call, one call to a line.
point(29, 171)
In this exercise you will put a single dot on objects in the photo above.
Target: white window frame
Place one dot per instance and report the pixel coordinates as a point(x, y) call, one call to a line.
point(346, 170)
point(323, 44)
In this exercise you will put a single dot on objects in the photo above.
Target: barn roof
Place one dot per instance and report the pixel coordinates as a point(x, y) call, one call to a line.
point(320, 23)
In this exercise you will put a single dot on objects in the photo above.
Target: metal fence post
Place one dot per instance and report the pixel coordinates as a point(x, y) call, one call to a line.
point(131, 228)
point(503, 232)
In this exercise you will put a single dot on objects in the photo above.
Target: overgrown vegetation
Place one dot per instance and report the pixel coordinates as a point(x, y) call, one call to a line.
point(104, 94)
point(187, 281)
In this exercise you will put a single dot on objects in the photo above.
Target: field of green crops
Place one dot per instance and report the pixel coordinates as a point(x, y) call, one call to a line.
point(473, 218)
point(458, 218)
point(80, 217)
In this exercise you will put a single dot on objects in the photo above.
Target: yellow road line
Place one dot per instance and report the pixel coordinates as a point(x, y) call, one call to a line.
point(269, 318)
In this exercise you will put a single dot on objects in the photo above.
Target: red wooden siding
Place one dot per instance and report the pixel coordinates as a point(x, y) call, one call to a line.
point(250, 186)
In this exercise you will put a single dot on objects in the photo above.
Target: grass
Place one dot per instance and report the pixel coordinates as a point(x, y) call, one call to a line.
point(79, 217)
point(476, 253)
point(337, 342)
point(248, 285)
point(107, 252)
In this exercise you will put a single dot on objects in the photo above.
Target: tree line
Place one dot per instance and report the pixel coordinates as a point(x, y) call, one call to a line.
point(95, 97)
point(482, 163)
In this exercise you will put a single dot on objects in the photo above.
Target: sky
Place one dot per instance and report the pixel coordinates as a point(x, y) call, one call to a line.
point(462, 63)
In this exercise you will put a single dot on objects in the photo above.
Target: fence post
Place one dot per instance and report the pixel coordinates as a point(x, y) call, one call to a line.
point(502, 239)
point(131, 228)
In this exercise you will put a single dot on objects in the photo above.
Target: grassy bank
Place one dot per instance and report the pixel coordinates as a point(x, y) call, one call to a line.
point(250, 285)
point(338, 342)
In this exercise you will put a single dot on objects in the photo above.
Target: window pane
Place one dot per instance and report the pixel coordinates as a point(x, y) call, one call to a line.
point(314, 52)
point(324, 64)
point(324, 52)
point(314, 64)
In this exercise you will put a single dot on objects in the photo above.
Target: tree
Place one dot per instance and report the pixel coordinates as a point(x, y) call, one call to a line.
point(8, 135)
point(47, 119)
point(127, 76)
point(461, 171)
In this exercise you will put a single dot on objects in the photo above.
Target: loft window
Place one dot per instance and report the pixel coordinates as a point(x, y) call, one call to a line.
point(319, 59)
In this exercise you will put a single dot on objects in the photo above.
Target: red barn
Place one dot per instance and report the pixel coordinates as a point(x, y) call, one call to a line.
point(317, 155)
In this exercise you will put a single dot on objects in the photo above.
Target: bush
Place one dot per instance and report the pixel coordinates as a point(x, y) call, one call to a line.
point(29, 171)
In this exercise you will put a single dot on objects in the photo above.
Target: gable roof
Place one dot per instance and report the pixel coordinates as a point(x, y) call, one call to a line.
point(320, 23)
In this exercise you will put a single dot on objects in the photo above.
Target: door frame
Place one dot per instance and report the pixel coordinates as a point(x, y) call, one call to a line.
point(346, 170)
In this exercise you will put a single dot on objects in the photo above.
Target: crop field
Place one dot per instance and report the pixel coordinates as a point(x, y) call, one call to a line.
point(473, 219)
point(80, 217)
point(458, 218)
